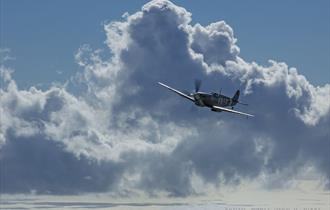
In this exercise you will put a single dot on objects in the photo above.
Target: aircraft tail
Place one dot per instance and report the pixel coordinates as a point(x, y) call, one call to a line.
point(236, 96)
point(235, 99)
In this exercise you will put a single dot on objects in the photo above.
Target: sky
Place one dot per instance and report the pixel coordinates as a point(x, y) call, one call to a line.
point(82, 115)
point(44, 35)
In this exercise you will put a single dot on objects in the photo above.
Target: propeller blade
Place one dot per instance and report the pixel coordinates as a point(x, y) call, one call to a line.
point(186, 92)
point(198, 84)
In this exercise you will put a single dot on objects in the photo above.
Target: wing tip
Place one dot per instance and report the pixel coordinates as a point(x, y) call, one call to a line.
point(162, 84)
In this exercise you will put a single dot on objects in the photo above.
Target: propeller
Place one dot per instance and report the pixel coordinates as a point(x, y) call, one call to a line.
point(198, 84)
point(187, 92)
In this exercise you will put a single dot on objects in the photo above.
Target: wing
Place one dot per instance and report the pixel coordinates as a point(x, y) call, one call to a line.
point(178, 92)
point(232, 111)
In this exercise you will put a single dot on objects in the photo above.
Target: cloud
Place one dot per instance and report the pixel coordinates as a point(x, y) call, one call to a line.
point(5, 55)
point(120, 132)
point(215, 43)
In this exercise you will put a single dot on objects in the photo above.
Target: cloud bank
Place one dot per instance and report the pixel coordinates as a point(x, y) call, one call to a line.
point(119, 132)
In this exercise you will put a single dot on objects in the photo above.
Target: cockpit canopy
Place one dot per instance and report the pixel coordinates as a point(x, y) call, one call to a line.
point(214, 94)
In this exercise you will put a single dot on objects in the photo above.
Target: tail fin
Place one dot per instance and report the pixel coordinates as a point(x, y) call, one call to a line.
point(236, 96)
point(235, 99)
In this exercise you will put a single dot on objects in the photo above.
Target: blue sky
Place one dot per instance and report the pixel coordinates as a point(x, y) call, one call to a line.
point(44, 35)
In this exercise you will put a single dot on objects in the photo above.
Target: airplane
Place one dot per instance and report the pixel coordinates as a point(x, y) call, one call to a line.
point(216, 101)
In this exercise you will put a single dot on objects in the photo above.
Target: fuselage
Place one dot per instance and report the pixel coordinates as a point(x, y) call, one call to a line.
point(213, 99)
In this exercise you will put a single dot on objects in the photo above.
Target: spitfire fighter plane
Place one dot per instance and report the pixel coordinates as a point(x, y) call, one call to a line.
point(216, 101)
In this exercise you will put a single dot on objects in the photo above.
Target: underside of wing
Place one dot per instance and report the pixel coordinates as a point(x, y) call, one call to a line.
point(178, 92)
point(232, 111)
